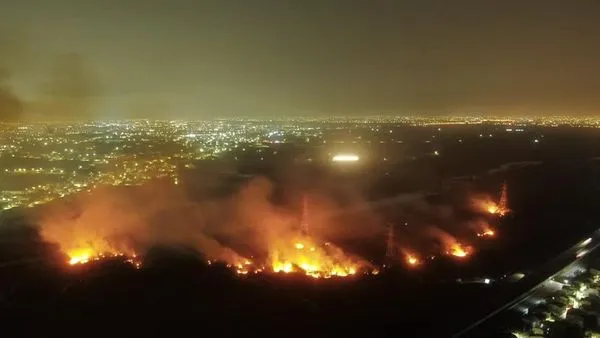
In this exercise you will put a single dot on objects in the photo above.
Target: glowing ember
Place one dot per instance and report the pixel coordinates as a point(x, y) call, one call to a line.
point(317, 262)
point(243, 268)
point(134, 261)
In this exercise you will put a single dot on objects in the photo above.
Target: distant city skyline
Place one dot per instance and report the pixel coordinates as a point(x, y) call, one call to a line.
point(263, 58)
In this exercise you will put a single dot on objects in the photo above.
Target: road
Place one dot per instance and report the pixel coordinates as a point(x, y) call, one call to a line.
point(555, 267)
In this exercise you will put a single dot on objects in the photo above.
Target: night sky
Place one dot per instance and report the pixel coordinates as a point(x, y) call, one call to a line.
point(67, 59)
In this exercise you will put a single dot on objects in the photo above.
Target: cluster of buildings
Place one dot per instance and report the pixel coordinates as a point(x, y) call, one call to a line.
point(40, 162)
point(43, 161)
point(568, 306)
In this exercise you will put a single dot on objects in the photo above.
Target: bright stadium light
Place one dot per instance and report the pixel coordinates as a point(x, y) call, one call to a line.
point(345, 158)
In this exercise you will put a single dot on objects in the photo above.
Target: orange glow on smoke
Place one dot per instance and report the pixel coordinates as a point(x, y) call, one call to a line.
point(106, 226)
point(304, 256)
point(486, 204)
point(451, 245)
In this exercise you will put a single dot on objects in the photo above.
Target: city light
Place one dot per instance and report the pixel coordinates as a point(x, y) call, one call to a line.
point(345, 158)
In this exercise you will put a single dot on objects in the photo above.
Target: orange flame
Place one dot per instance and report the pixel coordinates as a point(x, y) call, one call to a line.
point(450, 244)
point(487, 233)
point(492, 208)
point(412, 260)
point(86, 255)
point(487, 205)
point(458, 250)
point(305, 256)
point(483, 229)
point(80, 256)
point(243, 267)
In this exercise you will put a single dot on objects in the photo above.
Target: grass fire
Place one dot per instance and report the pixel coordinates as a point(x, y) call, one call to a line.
point(458, 250)
point(412, 260)
point(246, 232)
point(314, 260)
point(485, 204)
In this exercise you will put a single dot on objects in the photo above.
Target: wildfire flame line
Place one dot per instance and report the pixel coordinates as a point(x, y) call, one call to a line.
point(83, 256)
point(458, 250)
point(305, 256)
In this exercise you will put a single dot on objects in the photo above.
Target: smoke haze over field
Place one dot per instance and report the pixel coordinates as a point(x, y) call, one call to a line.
point(133, 219)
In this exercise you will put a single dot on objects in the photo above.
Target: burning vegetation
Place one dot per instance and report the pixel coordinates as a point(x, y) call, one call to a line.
point(115, 224)
point(412, 259)
point(111, 223)
point(459, 250)
point(486, 233)
point(483, 229)
point(83, 246)
point(487, 205)
point(305, 256)
point(450, 244)
point(83, 256)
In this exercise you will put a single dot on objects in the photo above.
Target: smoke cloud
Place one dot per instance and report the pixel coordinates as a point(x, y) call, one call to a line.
point(11, 108)
point(59, 87)
point(134, 219)
point(70, 91)
point(114, 219)
point(12, 56)
point(256, 223)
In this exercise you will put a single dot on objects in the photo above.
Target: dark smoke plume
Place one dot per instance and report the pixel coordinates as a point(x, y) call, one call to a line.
point(13, 55)
point(11, 107)
point(69, 92)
